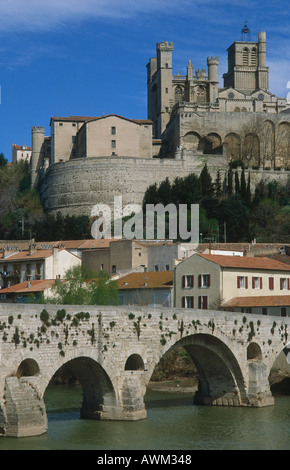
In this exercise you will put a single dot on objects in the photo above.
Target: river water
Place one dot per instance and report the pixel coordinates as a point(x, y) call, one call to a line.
point(172, 423)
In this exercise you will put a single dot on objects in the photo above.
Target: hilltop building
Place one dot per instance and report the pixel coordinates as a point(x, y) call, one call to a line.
point(191, 121)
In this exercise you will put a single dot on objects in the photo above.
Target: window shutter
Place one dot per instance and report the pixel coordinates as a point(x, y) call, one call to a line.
point(199, 280)
point(288, 282)
point(183, 302)
point(238, 282)
point(208, 277)
point(246, 281)
point(261, 283)
point(192, 281)
point(192, 302)
point(199, 302)
point(281, 283)
point(183, 281)
point(271, 283)
point(205, 302)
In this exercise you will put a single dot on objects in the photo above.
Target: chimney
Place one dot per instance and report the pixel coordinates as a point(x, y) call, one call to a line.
point(32, 249)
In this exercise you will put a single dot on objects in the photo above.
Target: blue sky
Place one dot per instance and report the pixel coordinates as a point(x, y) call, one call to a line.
point(68, 57)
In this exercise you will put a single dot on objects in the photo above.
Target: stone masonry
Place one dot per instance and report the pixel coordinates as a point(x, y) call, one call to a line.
point(113, 351)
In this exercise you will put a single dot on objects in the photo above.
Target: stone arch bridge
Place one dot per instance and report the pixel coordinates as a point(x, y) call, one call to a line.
point(113, 351)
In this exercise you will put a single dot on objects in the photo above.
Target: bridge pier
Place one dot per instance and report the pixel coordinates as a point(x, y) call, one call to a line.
point(259, 393)
point(25, 413)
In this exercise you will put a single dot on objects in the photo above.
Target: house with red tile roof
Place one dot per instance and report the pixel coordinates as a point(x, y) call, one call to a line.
point(148, 288)
point(209, 281)
point(27, 292)
point(35, 264)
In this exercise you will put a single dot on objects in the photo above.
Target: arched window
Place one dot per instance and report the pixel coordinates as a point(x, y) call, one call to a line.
point(246, 56)
point(178, 94)
point(254, 56)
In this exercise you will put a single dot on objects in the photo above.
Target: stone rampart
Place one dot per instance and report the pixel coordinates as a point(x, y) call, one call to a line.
point(75, 186)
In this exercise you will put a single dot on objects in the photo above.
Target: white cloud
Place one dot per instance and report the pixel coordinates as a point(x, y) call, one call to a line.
point(36, 15)
point(50, 14)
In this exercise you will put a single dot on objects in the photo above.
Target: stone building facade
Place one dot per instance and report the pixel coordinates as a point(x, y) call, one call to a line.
point(191, 121)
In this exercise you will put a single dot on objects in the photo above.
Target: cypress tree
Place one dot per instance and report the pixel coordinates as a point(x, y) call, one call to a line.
point(237, 183)
point(243, 185)
point(230, 181)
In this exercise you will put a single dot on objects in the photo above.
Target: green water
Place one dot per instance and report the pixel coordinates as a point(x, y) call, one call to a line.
point(172, 423)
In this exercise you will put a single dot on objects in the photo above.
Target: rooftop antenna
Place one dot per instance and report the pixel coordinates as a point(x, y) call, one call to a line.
point(246, 33)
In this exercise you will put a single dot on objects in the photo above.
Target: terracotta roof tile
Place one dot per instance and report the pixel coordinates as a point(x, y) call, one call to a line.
point(25, 256)
point(147, 280)
point(245, 262)
point(36, 286)
point(259, 301)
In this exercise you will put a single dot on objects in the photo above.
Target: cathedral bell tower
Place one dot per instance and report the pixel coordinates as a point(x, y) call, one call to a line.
point(247, 70)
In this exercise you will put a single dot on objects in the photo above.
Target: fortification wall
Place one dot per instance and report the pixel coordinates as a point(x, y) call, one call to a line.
point(74, 187)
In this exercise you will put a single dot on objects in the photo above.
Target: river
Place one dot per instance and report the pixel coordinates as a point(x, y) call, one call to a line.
point(172, 423)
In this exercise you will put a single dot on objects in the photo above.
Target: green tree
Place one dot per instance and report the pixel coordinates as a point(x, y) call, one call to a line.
point(230, 180)
point(218, 185)
point(82, 286)
point(237, 183)
point(206, 186)
point(3, 160)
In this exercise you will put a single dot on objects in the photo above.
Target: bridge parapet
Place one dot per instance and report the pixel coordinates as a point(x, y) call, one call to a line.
point(113, 351)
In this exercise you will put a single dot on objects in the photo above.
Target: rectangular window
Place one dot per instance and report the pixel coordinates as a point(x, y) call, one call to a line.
point(38, 268)
point(167, 267)
point(264, 311)
point(156, 267)
point(113, 144)
point(204, 281)
point(113, 130)
point(113, 268)
point(203, 302)
point(257, 283)
point(28, 270)
point(284, 283)
point(187, 280)
point(283, 311)
point(188, 302)
point(242, 282)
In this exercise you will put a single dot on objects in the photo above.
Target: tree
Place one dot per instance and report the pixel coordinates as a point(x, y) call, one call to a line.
point(218, 188)
point(237, 183)
point(230, 180)
point(206, 186)
point(82, 286)
point(3, 160)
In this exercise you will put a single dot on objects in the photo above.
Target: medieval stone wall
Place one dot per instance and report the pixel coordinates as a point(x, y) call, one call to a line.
point(74, 187)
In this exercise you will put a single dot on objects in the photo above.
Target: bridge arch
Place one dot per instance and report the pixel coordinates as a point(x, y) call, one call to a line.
point(254, 352)
point(28, 368)
point(134, 362)
point(99, 397)
point(221, 380)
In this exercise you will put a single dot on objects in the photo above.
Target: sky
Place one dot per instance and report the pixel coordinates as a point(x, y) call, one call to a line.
point(88, 58)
